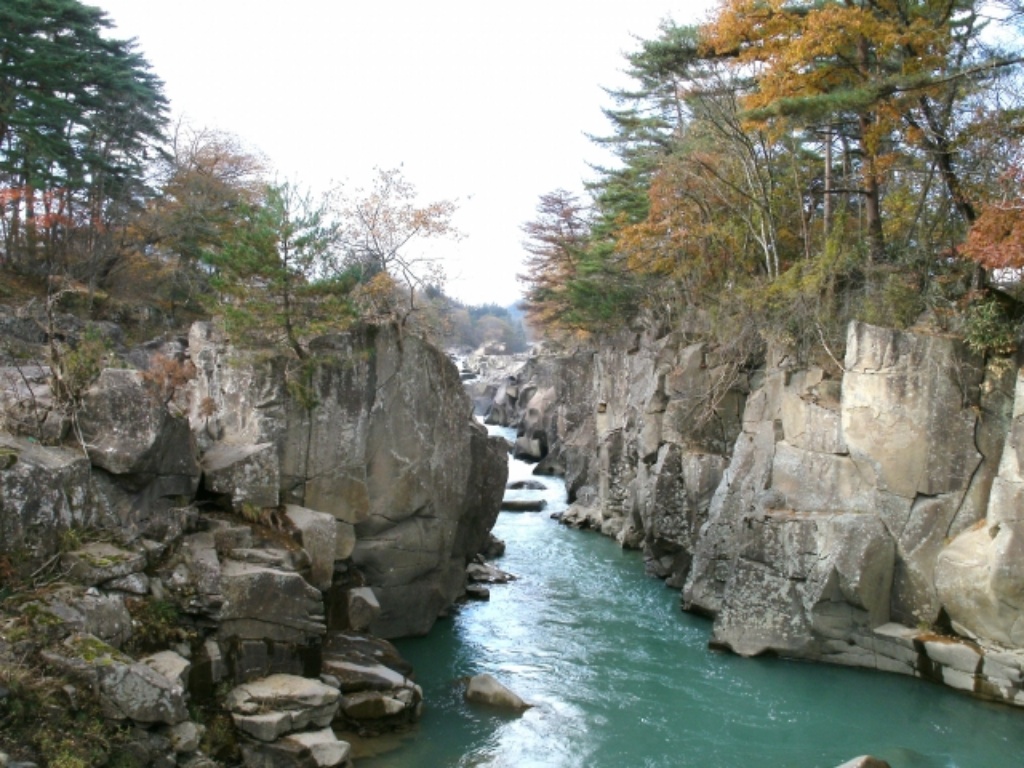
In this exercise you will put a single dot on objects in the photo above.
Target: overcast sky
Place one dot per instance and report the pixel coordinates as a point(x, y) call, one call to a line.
point(484, 102)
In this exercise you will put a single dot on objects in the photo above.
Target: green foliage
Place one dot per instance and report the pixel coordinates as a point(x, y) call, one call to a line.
point(155, 624)
point(79, 111)
point(277, 273)
point(474, 325)
point(603, 296)
point(989, 327)
point(898, 304)
point(35, 715)
point(81, 364)
point(299, 382)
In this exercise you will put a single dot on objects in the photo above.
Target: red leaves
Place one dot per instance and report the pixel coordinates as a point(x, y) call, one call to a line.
point(996, 240)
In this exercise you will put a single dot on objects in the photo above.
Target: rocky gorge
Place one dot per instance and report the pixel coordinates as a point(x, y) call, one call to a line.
point(863, 512)
point(207, 549)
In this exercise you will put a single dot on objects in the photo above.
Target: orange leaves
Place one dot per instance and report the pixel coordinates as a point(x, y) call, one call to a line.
point(804, 50)
point(379, 225)
point(556, 242)
point(996, 239)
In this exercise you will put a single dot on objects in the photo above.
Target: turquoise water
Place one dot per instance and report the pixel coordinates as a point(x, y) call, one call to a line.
point(621, 678)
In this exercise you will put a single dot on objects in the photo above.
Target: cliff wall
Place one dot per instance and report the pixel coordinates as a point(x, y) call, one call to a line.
point(218, 518)
point(870, 517)
point(375, 430)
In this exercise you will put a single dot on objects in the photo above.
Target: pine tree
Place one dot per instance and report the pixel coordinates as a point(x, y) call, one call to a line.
point(79, 113)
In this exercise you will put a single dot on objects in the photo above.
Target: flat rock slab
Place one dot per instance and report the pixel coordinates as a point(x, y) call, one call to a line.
point(354, 677)
point(273, 706)
point(99, 562)
point(366, 650)
point(280, 692)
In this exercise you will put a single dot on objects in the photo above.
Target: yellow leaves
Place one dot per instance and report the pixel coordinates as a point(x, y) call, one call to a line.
point(375, 299)
point(811, 49)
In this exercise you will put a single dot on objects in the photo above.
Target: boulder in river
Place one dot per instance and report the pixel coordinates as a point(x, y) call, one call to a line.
point(484, 689)
point(485, 573)
point(865, 761)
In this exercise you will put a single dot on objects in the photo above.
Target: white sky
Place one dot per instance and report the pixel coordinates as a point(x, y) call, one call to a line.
point(482, 102)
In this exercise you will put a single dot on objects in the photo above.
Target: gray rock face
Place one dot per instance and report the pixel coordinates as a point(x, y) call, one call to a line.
point(269, 603)
point(815, 517)
point(247, 473)
point(129, 432)
point(980, 575)
point(104, 616)
point(272, 707)
point(628, 422)
point(99, 562)
point(389, 450)
point(43, 493)
point(127, 689)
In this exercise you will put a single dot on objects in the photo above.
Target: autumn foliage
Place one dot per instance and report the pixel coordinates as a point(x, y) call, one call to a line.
point(788, 166)
point(996, 240)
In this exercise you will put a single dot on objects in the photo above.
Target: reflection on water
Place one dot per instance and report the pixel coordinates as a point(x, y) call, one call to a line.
point(621, 678)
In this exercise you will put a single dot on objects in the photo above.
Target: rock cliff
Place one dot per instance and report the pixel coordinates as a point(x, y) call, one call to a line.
point(245, 519)
point(869, 516)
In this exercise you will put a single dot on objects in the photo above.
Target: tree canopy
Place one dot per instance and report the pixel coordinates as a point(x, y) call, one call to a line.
point(80, 112)
point(790, 165)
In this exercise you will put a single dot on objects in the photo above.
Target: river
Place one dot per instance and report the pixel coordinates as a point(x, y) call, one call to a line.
point(622, 679)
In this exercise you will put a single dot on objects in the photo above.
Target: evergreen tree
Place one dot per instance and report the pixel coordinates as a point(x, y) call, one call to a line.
point(79, 113)
point(274, 272)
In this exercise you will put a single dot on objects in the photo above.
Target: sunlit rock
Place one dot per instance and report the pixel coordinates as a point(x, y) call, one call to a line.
point(484, 689)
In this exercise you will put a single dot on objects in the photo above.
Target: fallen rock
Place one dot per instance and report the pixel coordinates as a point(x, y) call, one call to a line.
point(131, 433)
point(374, 705)
point(495, 548)
point(102, 615)
point(477, 592)
point(99, 561)
point(171, 665)
point(269, 708)
point(185, 737)
point(249, 474)
point(326, 748)
point(43, 491)
point(484, 573)
point(128, 689)
point(484, 689)
point(362, 608)
point(318, 534)
point(378, 694)
point(262, 603)
point(279, 754)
